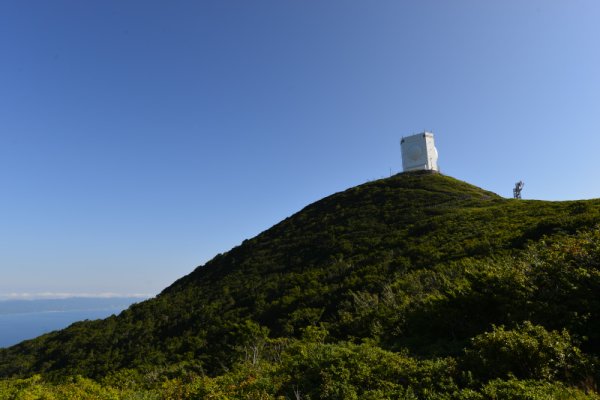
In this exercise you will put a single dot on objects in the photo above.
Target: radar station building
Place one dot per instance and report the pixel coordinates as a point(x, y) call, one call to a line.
point(419, 152)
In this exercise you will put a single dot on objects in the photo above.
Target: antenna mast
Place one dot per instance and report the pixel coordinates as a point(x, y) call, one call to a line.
point(517, 190)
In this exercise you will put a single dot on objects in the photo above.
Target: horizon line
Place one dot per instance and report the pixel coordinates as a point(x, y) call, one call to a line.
point(69, 295)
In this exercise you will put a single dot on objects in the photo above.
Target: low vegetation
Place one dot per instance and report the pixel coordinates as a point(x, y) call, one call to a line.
point(418, 286)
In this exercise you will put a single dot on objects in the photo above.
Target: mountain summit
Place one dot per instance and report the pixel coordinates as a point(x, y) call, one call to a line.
point(418, 262)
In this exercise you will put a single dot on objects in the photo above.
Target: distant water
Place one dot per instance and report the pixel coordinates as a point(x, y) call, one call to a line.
point(18, 326)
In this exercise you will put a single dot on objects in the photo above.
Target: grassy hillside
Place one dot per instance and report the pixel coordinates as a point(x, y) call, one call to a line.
point(435, 276)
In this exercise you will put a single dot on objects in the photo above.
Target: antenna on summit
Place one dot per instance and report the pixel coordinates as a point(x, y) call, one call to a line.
point(517, 190)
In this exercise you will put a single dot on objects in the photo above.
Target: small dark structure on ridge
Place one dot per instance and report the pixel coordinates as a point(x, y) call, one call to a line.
point(517, 190)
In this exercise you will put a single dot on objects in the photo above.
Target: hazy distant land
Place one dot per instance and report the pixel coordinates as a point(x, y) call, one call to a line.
point(26, 319)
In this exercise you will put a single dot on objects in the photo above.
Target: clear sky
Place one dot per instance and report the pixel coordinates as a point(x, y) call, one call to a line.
point(138, 139)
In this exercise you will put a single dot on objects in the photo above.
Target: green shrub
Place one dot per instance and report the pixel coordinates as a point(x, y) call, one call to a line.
point(527, 352)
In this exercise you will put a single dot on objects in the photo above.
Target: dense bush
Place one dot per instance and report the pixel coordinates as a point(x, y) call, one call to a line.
point(374, 292)
point(527, 352)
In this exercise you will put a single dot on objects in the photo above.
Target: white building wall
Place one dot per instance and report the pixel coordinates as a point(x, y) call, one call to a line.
point(419, 152)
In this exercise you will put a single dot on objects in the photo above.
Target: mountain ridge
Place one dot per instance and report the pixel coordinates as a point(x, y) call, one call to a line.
point(400, 262)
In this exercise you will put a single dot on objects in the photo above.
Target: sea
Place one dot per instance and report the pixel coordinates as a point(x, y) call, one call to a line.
point(26, 319)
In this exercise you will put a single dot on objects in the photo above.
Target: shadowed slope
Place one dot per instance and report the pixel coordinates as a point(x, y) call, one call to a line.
point(332, 263)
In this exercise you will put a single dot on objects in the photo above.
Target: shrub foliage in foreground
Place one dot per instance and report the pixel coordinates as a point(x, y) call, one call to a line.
point(305, 370)
point(417, 286)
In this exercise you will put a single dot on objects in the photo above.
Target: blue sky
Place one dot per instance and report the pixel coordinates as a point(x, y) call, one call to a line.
point(140, 138)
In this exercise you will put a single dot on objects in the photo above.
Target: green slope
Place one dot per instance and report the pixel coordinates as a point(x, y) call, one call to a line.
point(417, 262)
